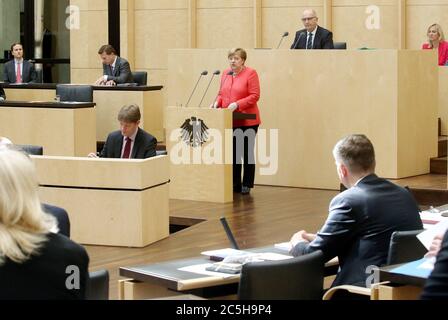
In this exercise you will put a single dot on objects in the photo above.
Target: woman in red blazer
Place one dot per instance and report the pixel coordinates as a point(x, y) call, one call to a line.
point(436, 40)
point(239, 92)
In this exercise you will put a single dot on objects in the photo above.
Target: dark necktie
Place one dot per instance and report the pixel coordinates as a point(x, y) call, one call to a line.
point(127, 149)
point(309, 44)
point(112, 69)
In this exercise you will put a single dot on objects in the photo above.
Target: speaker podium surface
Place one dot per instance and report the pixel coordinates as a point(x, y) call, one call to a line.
point(199, 143)
point(110, 202)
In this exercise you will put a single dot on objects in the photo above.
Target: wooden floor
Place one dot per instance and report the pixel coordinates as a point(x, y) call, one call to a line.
point(268, 215)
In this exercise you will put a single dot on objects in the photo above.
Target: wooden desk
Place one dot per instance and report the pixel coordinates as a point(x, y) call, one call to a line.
point(164, 279)
point(109, 101)
point(61, 128)
point(316, 98)
point(401, 286)
point(110, 202)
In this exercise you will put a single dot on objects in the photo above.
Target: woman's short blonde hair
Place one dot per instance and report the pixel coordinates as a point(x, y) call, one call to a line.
point(23, 224)
point(239, 52)
point(439, 31)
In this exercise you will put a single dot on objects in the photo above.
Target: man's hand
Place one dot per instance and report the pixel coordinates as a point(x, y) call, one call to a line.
point(100, 82)
point(111, 83)
point(92, 155)
point(214, 105)
point(302, 236)
point(435, 246)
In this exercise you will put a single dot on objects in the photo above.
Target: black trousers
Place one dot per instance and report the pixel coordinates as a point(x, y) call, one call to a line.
point(243, 149)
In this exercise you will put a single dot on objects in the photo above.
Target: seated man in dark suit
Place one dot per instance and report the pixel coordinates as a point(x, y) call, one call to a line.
point(19, 70)
point(362, 218)
point(130, 141)
point(313, 36)
point(436, 287)
point(116, 70)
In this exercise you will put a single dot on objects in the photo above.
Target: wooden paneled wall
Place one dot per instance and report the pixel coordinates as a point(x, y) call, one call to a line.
point(150, 27)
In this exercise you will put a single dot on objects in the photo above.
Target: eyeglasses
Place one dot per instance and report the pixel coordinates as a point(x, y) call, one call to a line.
point(308, 19)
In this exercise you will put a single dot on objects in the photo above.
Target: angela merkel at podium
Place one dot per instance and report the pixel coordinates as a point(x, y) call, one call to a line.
point(240, 92)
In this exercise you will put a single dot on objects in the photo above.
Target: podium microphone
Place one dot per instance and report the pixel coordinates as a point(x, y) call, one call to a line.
point(203, 73)
point(230, 73)
point(297, 41)
point(283, 37)
point(216, 73)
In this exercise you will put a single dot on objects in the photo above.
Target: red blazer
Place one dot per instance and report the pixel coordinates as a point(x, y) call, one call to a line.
point(244, 89)
point(443, 51)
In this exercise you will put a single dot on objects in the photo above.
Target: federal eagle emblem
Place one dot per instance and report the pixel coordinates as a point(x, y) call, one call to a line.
point(194, 132)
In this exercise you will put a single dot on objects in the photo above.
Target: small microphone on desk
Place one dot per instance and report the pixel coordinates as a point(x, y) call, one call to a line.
point(285, 34)
point(216, 73)
point(297, 41)
point(203, 73)
point(230, 73)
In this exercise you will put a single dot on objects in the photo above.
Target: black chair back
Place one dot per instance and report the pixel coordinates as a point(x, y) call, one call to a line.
point(74, 93)
point(140, 77)
point(405, 247)
point(98, 285)
point(299, 278)
point(340, 45)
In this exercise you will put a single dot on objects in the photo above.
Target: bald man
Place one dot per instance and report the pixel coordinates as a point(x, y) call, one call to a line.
point(313, 36)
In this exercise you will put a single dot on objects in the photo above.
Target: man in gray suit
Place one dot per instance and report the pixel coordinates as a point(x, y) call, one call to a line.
point(362, 218)
point(116, 70)
point(19, 70)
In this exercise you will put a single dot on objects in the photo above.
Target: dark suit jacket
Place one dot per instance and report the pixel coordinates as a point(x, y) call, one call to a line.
point(359, 225)
point(44, 276)
point(144, 145)
point(61, 216)
point(322, 40)
point(436, 286)
point(122, 72)
point(29, 74)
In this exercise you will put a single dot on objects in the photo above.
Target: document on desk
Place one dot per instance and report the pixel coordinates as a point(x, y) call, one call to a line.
point(420, 268)
point(220, 254)
point(428, 235)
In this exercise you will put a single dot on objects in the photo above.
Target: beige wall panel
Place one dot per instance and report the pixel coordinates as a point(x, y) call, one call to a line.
point(443, 99)
point(225, 28)
point(420, 16)
point(209, 4)
point(85, 42)
point(356, 34)
point(124, 36)
point(416, 109)
point(160, 4)
point(30, 95)
point(86, 76)
point(278, 19)
point(350, 3)
point(155, 32)
point(89, 5)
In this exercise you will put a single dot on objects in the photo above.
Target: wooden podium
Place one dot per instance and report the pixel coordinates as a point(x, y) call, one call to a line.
point(313, 98)
point(61, 128)
point(200, 159)
point(110, 202)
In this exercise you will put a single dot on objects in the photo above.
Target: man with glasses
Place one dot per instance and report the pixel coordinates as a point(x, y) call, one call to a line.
point(313, 36)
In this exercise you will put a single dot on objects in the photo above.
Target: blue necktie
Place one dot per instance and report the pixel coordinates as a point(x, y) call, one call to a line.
point(309, 44)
